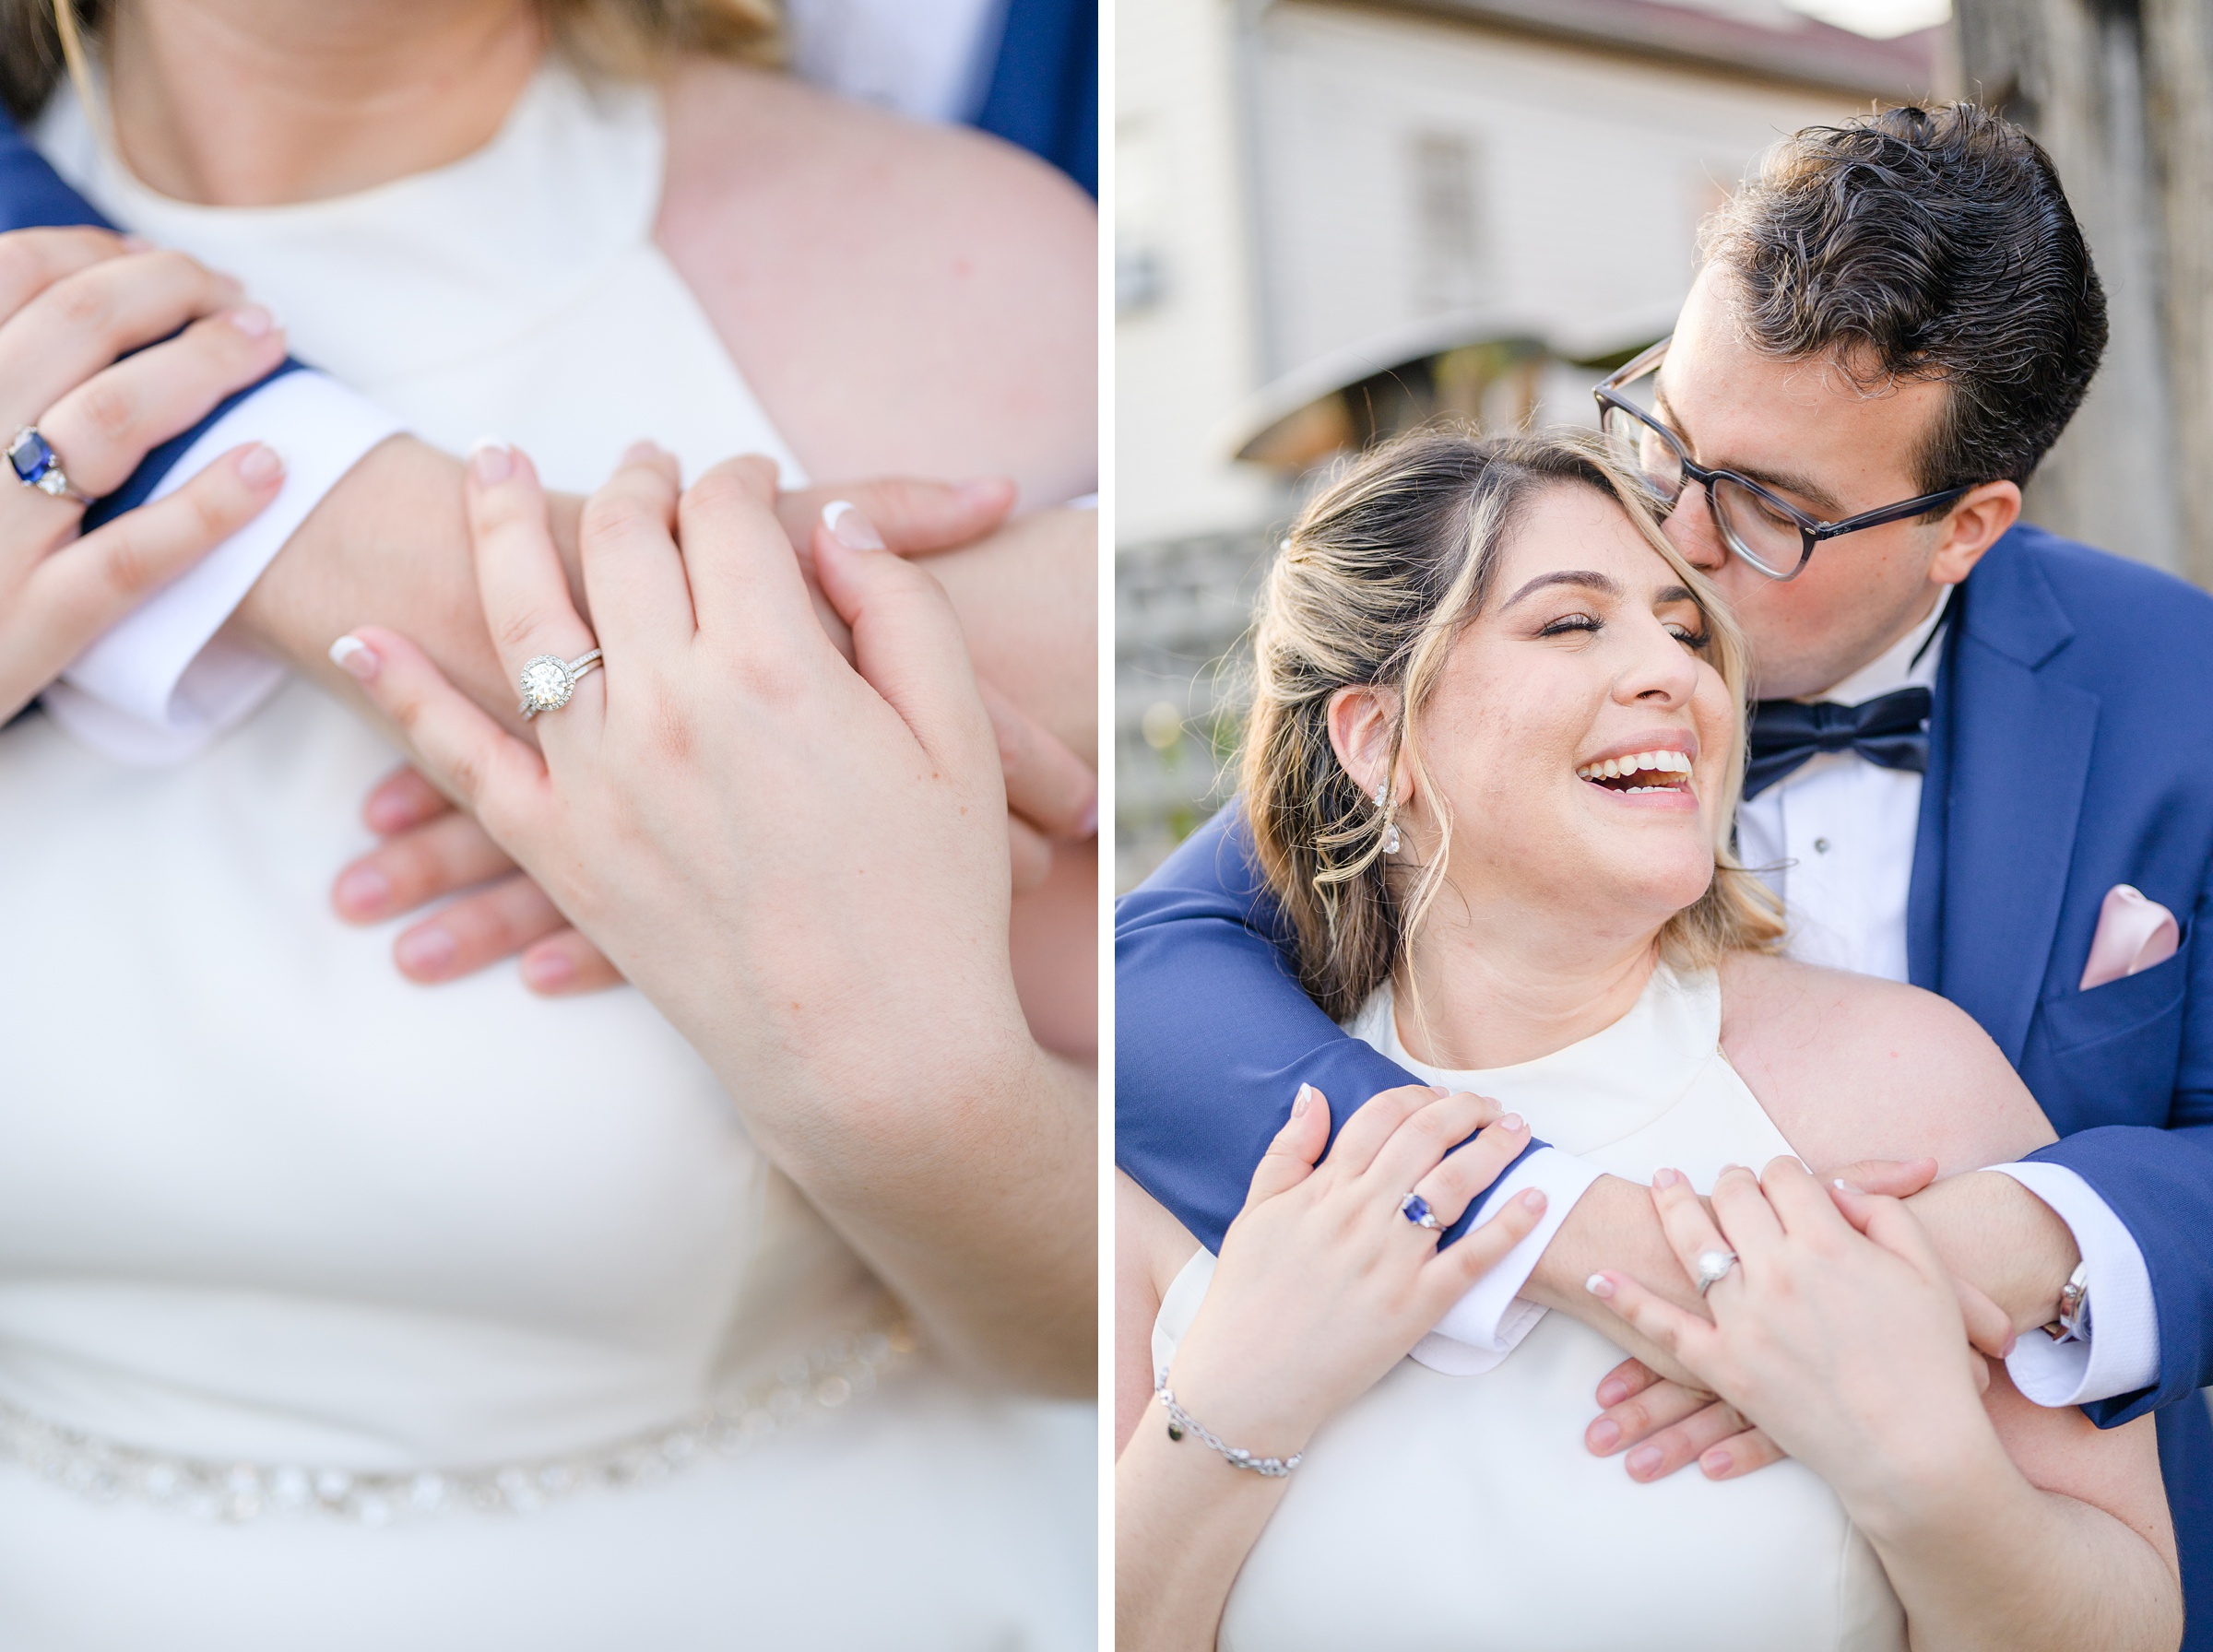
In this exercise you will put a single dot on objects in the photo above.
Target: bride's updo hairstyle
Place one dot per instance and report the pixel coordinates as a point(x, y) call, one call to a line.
point(1372, 586)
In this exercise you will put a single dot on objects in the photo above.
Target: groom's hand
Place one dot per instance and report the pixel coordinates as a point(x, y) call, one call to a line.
point(1666, 1425)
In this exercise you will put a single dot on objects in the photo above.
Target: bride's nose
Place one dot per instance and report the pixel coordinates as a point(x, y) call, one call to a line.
point(1663, 672)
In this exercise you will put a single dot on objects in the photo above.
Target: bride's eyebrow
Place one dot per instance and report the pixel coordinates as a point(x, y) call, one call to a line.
point(1601, 583)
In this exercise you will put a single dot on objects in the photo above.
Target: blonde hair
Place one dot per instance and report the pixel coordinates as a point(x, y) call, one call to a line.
point(624, 40)
point(1376, 581)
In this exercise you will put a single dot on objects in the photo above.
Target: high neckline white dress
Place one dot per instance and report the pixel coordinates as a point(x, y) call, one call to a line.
point(1462, 1514)
point(287, 1245)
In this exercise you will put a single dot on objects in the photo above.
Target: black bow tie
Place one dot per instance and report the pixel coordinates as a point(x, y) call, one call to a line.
point(1891, 731)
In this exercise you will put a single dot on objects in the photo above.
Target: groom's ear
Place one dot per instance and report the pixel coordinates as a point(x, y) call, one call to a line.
point(1972, 526)
point(1362, 721)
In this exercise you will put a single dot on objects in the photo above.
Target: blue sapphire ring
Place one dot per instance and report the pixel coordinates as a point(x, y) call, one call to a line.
point(1415, 1208)
point(33, 458)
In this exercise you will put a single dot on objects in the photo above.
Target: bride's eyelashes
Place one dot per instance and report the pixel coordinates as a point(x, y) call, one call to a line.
point(1571, 622)
point(1695, 637)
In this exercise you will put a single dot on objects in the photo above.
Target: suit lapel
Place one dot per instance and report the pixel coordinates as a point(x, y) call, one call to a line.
point(2015, 760)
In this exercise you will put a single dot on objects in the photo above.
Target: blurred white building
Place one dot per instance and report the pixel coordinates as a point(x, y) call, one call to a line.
point(1335, 218)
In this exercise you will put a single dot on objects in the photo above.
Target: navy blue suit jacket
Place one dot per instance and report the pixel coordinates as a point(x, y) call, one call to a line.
point(2071, 749)
point(1043, 92)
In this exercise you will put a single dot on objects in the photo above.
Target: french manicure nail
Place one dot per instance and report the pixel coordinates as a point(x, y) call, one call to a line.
point(1599, 1285)
point(1666, 1179)
point(1643, 1460)
point(849, 527)
point(1841, 1186)
point(1613, 1392)
point(259, 465)
point(1604, 1435)
point(1511, 1121)
point(425, 951)
point(1533, 1197)
point(491, 462)
point(1304, 1100)
point(1715, 1464)
point(355, 657)
point(544, 972)
point(983, 492)
point(640, 452)
point(363, 891)
point(253, 321)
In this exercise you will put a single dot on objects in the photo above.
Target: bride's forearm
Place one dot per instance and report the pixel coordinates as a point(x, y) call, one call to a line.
point(1985, 1562)
point(1184, 1521)
point(973, 1197)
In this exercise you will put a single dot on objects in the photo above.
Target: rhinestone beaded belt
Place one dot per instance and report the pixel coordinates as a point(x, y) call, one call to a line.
point(108, 1470)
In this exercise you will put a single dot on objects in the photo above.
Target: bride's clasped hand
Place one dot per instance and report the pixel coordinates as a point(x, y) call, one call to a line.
point(756, 832)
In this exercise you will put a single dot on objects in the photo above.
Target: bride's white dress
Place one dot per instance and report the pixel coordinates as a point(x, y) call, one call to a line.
point(320, 1294)
point(1462, 1514)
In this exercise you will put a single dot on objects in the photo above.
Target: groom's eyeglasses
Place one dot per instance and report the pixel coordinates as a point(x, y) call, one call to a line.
point(1771, 534)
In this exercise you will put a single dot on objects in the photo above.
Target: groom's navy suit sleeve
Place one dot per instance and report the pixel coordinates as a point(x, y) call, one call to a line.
point(33, 196)
point(1213, 1035)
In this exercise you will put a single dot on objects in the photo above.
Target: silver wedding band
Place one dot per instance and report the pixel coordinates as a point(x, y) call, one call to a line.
point(36, 464)
point(549, 680)
point(1714, 1267)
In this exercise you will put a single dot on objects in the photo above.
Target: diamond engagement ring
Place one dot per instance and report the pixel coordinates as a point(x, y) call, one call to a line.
point(33, 458)
point(1714, 1267)
point(548, 681)
point(1415, 1208)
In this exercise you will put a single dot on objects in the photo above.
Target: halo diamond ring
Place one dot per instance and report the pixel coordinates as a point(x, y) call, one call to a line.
point(1713, 1268)
point(549, 680)
point(36, 464)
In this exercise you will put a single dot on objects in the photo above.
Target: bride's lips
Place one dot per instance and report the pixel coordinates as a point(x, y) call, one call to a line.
point(1649, 770)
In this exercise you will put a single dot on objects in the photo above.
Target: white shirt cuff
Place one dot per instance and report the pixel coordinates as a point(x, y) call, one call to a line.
point(2122, 1354)
point(1479, 1330)
point(157, 687)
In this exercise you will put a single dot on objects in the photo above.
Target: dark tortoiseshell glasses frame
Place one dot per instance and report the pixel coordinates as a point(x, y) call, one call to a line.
point(1614, 406)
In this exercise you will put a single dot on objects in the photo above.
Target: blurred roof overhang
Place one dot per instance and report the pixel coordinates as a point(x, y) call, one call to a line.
point(1803, 50)
point(1326, 406)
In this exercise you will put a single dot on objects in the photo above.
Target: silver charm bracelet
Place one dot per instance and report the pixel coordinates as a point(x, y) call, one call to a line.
point(1181, 1422)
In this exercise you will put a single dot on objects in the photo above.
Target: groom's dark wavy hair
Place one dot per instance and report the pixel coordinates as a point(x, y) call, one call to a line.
point(1924, 244)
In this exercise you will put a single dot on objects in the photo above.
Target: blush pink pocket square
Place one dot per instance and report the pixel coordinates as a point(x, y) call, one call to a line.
point(2133, 935)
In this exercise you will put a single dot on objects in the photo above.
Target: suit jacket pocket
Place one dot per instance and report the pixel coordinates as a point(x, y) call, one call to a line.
point(2138, 1015)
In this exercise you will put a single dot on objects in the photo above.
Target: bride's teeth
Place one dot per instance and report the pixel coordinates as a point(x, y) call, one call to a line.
point(1646, 760)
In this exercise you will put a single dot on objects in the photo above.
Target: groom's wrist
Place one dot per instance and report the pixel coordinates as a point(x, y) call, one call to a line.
point(2002, 1239)
point(390, 545)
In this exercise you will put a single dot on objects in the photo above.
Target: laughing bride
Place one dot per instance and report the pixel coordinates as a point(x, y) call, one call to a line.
point(1461, 649)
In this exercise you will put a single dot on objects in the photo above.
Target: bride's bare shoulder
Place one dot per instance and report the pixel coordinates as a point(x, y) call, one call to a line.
point(1851, 1067)
point(905, 296)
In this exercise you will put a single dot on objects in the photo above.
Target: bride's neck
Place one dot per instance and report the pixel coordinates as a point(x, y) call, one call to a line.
point(260, 102)
point(1490, 987)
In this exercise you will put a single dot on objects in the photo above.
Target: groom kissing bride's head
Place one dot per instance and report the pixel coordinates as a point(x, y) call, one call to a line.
point(1975, 764)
